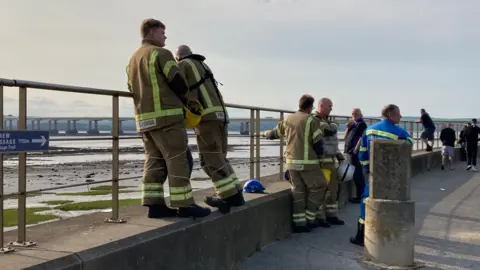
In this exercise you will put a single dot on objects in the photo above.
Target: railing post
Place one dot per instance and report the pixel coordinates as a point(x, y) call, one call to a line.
point(281, 149)
point(3, 249)
point(22, 177)
point(412, 130)
point(390, 212)
point(252, 144)
point(257, 128)
point(115, 162)
point(417, 138)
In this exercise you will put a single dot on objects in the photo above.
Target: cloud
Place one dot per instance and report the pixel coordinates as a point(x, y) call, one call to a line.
point(265, 52)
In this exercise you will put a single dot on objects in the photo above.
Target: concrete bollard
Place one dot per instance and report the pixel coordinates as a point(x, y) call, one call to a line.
point(390, 214)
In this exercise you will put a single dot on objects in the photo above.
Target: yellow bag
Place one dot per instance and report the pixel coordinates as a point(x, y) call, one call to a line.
point(193, 114)
point(327, 173)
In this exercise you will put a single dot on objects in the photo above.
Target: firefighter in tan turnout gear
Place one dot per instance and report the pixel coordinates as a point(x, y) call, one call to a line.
point(212, 132)
point(159, 90)
point(304, 146)
point(328, 160)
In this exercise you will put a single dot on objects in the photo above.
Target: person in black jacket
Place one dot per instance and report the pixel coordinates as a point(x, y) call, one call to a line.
point(448, 137)
point(471, 139)
point(355, 129)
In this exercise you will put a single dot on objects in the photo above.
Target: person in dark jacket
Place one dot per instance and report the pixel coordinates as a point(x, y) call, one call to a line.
point(471, 140)
point(447, 137)
point(462, 142)
point(428, 134)
point(353, 134)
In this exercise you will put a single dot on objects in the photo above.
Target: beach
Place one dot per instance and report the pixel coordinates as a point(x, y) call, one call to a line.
point(88, 162)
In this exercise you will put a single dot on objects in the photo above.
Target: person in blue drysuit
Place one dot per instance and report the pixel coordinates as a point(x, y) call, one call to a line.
point(386, 129)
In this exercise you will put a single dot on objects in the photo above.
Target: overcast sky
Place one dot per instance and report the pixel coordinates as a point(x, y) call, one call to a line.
point(414, 53)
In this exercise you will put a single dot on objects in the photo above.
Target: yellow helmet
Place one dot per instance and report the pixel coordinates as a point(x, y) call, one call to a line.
point(193, 113)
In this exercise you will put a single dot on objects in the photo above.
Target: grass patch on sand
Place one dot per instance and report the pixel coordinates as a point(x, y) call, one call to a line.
point(57, 202)
point(34, 194)
point(10, 216)
point(200, 178)
point(108, 187)
point(93, 192)
point(82, 206)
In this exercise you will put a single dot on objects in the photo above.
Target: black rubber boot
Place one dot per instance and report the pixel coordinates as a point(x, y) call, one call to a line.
point(193, 211)
point(355, 200)
point(358, 239)
point(312, 225)
point(322, 223)
point(216, 202)
point(161, 211)
point(236, 200)
point(335, 221)
point(300, 229)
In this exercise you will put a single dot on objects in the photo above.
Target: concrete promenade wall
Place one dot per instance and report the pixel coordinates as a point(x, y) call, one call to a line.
point(215, 243)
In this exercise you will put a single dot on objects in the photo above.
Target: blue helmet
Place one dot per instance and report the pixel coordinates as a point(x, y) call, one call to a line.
point(253, 186)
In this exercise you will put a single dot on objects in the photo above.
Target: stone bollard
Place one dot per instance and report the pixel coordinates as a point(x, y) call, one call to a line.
point(390, 214)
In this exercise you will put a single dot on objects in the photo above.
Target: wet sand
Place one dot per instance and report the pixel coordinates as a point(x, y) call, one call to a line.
point(46, 176)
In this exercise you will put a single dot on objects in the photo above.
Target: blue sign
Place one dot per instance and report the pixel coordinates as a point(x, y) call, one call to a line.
point(15, 141)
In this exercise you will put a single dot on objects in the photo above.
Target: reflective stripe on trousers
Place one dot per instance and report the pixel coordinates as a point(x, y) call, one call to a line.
point(152, 191)
point(181, 193)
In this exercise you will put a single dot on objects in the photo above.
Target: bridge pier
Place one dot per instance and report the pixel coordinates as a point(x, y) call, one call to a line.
point(53, 131)
point(120, 132)
point(245, 128)
point(71, 130)
point(93, 129)
point(390, 212)
point(8, 124)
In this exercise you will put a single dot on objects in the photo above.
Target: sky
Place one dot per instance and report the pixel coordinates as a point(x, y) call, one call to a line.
point(413, 53)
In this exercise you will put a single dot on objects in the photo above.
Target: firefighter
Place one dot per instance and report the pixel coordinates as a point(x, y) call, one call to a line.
point(212, 131)
point(304, 146)
point(159, 97)
point(328, 161)
point(386, 129)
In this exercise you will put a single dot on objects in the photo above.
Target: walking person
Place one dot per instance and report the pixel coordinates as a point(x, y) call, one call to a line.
point(471, 145)
point(448, 137)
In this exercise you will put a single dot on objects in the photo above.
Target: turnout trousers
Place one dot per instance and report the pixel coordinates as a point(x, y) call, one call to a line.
point(166, 155)
point(212, 141)
point(308, 192)
point(331, 194)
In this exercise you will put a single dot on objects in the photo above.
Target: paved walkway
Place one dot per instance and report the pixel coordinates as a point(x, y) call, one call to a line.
point(447, 222)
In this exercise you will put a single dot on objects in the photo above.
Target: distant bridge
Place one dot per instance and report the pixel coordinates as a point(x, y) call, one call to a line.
point(11, 122)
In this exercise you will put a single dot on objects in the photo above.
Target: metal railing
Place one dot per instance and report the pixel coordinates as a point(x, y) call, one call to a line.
point(22, 192)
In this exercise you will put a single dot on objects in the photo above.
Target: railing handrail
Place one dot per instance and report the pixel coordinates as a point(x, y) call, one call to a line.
point(108, 92)
point(22, 191)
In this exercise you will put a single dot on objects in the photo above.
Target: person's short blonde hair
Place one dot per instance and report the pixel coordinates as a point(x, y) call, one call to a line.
point(149, 24)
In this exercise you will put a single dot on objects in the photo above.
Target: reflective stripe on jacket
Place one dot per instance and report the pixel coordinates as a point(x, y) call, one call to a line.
point(149, 71)
point(212, 101)
point(330, 140)
point(383, 130)
point(302, 131)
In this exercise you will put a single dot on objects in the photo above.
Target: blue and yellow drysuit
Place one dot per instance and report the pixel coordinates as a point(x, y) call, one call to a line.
point(383, 130)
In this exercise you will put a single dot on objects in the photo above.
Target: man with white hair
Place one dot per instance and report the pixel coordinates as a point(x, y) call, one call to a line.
point(328, 161)
point(355, 129)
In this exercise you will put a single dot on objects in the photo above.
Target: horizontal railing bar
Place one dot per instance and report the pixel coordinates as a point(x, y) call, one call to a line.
point(121, 179)
point(106, 92)
point(63, 88)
